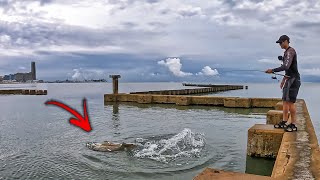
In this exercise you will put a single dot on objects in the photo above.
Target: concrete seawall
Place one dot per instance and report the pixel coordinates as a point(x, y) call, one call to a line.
point(23, 92)
point(208, 89)
point(232, 102)
point(297, 154)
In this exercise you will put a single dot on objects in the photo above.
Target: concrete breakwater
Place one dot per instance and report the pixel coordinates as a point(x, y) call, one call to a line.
point(297, 154)
point(23, 92)
point(210, 85)
point(234, 102)
point(191, 91)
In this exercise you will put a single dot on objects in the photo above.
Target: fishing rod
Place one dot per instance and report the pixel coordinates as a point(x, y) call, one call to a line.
point(274, 77)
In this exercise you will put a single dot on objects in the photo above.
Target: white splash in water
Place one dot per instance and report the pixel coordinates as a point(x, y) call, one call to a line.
point(184, 144)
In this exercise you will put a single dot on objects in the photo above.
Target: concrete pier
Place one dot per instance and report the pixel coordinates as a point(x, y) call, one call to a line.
point(279, 106)
point(211, 85)
point(232, 102)
point(115, 83)
point(192, 91)
point(237, 102)
point(213, 174)
point(297, 153)
point(23, 92)
point(275, 116)
point(264, 141)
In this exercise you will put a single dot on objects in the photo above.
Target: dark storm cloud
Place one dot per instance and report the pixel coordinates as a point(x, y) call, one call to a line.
point(152, 1)
point(157, 24)
point(10, 4)
point(35, 34)
point(230, 3)
point(307, 24)
point(188, 13)
point(130, 25)
point(220, 36)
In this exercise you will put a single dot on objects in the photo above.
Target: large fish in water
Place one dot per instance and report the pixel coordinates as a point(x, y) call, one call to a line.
point(107, 146)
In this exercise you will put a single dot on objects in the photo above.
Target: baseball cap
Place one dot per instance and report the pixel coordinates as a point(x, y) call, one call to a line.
point(283, 38)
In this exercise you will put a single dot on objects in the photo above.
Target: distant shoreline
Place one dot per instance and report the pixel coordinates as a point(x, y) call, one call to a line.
point(43, 82)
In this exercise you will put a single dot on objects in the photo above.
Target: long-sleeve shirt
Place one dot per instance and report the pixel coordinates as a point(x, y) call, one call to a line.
point(290, 65)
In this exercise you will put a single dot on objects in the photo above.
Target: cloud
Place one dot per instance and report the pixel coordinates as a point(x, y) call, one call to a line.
point(307, 24)
point(22, 68)
point(268, 61)
point(89, 74)
point(207, 71)
point(310, 72)
point(189, 11)
point(174, 66)
point(222, 32)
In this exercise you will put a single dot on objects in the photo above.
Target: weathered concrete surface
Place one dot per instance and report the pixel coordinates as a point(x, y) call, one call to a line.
point(234, 102)
point(237, 102)
point(279, 106)
point(32, 92)
point(183, 100)
point(115, 83)
point(275, 116)
point(264, 141)
point(265, 102)
point(211, 85)
point(213, 174)
point(144, 99)
point(23, 92)
point(299, 156)
point(204, 100)
point(208, 89)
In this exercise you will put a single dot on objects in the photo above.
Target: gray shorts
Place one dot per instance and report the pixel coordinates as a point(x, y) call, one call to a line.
point(291, 89)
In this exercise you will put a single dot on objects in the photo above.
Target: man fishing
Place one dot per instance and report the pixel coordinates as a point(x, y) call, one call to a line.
point(290, 84)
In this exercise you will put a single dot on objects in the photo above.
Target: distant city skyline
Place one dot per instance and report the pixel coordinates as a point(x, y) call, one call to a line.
point(22, 77)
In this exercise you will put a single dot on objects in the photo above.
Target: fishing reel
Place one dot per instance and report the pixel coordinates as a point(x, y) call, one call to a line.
point(280, 58)
point(274, 77)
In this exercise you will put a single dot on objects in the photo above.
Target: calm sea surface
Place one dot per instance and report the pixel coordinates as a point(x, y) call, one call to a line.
point(37, 141)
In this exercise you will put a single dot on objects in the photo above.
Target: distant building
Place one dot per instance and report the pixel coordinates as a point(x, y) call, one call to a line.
point(23, 77)
point(1, 78)
point(9, 77)
point(33, 71)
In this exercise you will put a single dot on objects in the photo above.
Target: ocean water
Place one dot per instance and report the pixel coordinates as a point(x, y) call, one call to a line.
point(38, 142)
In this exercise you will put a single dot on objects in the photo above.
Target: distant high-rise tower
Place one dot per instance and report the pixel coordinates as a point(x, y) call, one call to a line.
point(33, 70)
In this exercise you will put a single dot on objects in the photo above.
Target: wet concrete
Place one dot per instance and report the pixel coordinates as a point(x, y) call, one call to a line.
point(213, 174)
point(298, 156)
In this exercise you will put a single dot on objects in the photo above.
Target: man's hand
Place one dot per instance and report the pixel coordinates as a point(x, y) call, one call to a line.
point(269, 71)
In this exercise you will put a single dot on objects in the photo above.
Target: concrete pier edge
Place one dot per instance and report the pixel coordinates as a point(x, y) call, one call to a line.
point(291, 161)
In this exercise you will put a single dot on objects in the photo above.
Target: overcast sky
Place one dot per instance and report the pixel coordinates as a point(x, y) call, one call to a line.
point(157, 40)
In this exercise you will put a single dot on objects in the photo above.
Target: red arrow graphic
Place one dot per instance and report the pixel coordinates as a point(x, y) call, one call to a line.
point(80, 121)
